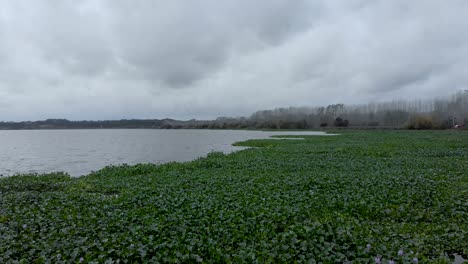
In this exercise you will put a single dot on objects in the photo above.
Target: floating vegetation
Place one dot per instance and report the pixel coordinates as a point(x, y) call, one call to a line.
point(362, 197)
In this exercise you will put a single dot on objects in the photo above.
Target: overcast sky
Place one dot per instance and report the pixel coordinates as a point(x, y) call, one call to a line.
point(185, 59)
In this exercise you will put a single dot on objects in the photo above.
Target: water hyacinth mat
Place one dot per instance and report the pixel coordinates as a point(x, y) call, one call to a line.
point(359, 197)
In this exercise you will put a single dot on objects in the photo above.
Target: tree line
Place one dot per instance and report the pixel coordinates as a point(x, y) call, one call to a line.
point(441, 113)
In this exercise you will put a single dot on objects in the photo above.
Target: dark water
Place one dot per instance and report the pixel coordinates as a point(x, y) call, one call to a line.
point(78, 152)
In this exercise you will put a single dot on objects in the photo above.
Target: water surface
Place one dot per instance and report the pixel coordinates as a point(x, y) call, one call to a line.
point(78, 152)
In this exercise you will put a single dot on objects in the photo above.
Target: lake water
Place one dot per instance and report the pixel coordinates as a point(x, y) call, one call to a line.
point(78, 152)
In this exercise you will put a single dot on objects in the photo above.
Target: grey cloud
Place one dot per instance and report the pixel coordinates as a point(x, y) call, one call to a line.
point(182, 42)
point(111, 58)
point(73, 37)
point(381, 46)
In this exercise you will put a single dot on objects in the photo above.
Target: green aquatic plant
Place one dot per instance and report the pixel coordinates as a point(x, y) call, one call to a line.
point(399, 196)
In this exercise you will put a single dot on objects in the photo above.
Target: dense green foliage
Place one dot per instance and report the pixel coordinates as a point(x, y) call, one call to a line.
point(352, 197)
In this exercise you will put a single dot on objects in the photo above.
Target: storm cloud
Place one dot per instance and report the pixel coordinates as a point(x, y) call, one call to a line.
point(117, 59)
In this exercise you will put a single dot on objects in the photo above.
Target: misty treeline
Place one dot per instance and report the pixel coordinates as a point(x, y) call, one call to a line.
point(439, 113)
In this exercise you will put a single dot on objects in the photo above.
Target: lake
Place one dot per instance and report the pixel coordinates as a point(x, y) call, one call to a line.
point(79, 152)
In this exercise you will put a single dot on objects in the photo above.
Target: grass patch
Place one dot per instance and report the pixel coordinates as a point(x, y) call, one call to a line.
point(346, 198)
